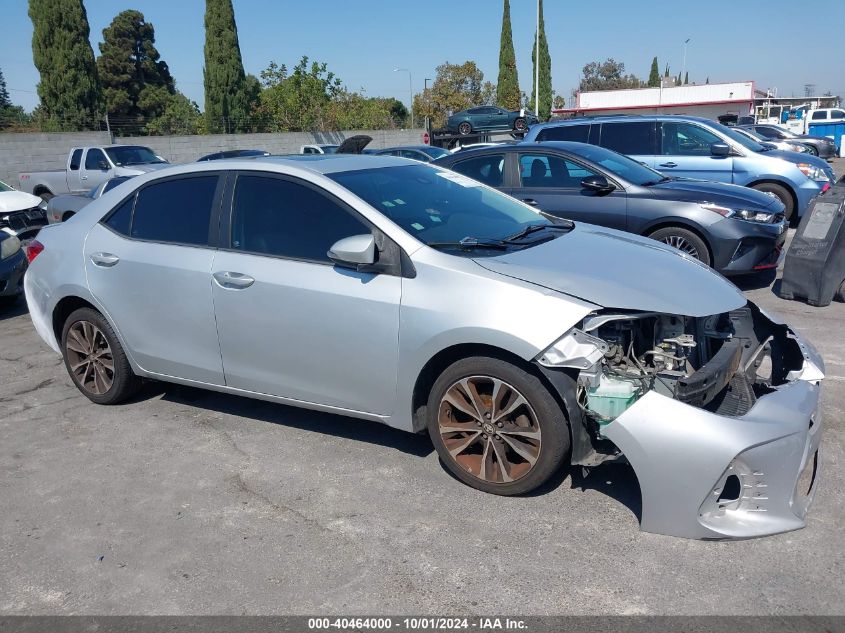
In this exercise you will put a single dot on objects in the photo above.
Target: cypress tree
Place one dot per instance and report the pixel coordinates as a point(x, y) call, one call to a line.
point(654, 75)
point(507, 89)
point(5, 102)
point(69, 88)
point(666, 74)
point(545, 106)
point(708, 81)
point(227, 104)
point(686, 78)
point(137, 85)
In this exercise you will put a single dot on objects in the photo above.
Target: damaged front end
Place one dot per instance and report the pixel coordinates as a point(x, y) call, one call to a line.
point(717, 415)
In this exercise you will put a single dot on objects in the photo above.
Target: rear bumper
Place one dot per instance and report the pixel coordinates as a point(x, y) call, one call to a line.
point(11, 275)
point(709, 476)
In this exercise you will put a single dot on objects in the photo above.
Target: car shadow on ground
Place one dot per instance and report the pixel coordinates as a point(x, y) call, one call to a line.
point(617, 481)
point(755, 281)
point(10, 311)
point(294, 417)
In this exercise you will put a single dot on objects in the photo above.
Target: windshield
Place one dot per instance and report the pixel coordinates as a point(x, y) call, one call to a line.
point(746, 142)
point(438, 206)
point(627, 168)
point(330, 149)
point(5, 187)
point(132, 155)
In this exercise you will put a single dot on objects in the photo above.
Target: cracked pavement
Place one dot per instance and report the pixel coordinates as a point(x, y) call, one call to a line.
point(192, 502)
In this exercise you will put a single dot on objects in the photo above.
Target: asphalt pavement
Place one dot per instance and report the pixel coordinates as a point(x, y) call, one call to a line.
point(190, 502)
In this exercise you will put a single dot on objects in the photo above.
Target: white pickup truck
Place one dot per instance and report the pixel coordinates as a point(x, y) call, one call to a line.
point(88, 167)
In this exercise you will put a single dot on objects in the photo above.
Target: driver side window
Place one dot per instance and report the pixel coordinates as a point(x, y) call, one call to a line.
point(686, 139)
point(95, 159)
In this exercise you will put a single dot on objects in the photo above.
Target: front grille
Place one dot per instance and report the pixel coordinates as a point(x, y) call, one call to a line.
point(777, 218)
point(20, 221)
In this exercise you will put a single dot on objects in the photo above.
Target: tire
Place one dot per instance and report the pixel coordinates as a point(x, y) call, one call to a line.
point(509, 456)
point(465, 128)
point(520, 125)
point(814, 151)
point(684, 240)
point(45, 195)
point(94, 385)
point(782, 193)
point(8, 301)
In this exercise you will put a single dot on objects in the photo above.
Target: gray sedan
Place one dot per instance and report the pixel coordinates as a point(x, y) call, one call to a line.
point(734, 229)
point(64, 207)
point(820, 146)
point(388, 290)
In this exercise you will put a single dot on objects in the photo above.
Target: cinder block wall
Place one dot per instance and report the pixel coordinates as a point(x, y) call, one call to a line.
point(43, 152)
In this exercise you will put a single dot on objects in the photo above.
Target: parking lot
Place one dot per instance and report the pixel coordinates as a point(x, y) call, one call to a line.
point(191, 502)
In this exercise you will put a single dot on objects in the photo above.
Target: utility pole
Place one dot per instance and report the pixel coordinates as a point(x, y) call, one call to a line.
point(537, 66)
point(410, 90)
point(684, 67)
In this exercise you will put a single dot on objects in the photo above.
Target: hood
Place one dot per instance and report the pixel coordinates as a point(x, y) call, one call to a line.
point(619, 270)
point(354, 144)
point(733, 196)
point(135, 170)
point(17, 201)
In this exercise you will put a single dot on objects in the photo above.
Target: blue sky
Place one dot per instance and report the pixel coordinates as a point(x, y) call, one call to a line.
point(364, 40)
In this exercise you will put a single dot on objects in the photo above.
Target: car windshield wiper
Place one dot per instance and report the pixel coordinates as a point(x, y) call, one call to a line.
point(469, 243)
point(563, 225)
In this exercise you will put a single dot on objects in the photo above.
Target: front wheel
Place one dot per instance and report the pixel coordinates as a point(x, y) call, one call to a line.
point(95, 359)
point(684, 240)
point(520, 125)
point(496, 427)
point(781, 193)
point(465, 128)
point(814, 151)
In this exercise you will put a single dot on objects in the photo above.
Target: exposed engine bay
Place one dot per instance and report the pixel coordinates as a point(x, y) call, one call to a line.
point(721, 363)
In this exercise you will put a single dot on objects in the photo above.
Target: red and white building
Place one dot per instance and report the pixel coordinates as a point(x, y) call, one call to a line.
point(706, 100)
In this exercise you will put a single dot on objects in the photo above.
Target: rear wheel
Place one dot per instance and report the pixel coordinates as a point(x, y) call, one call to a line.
point(520, 125)
point(781, 193)
point(684, 240)
point(465, 128)
point(45, 195)
point(496, 427)
point(95, 359)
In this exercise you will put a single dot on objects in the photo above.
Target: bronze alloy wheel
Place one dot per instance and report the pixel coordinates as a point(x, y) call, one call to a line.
point(90, 357)
point(489, 429)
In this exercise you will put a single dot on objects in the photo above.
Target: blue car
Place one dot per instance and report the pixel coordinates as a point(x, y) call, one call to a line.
point(490, 118)
point(693, 147)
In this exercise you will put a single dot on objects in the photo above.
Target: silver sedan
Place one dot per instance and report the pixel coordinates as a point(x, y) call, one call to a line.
point(388, 290)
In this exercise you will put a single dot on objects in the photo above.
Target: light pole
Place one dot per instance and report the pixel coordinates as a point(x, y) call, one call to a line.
point(684, 67)
point(425, 84)
point(410, 90)
point(537, 67)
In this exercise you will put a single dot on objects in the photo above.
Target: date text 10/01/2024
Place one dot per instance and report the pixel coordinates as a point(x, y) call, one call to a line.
point(417, 624)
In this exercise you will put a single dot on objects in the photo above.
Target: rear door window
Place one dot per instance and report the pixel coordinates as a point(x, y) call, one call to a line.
point(632, 138)
point(577, 133)
point(819, 116)
point(175, 211)
point(488, 169)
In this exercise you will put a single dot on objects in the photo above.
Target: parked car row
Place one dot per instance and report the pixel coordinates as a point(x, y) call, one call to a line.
point(520, 341)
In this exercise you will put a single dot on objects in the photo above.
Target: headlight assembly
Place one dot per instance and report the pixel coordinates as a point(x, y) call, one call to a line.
point(741, 214)
point(9, 247)
point(812, 172)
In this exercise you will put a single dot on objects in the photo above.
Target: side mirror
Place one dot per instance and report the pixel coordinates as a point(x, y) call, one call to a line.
point(356, 251)
point(720, 149)
point(599, 184)
point(103, 165)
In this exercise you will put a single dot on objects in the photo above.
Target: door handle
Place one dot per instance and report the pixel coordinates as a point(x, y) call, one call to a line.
point(83, 177)
point(104, 260)
point(530, 201)
point(233, 281)
point(669, 164)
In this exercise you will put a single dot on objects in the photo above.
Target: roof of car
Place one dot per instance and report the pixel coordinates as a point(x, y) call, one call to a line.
point(566, 146)
point(328, 163)
point(601, 118)
point(421, 148)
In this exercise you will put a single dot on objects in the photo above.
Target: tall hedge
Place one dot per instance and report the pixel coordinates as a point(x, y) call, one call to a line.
point(227, 100)
point(507, 89)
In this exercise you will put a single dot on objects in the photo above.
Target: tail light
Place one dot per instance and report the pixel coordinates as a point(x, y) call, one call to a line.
point(33, 250)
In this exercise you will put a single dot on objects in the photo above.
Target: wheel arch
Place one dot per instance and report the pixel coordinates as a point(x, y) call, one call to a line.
point(40, 190)
point(780, 183)
point(441, 360)
point(679, 223)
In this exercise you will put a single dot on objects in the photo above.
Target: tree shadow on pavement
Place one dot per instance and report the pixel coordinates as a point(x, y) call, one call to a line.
point(304, 419)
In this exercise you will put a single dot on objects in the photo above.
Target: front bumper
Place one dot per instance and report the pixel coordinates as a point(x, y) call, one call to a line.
point(11, 274)
point(709, 476)
point(743, 247)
